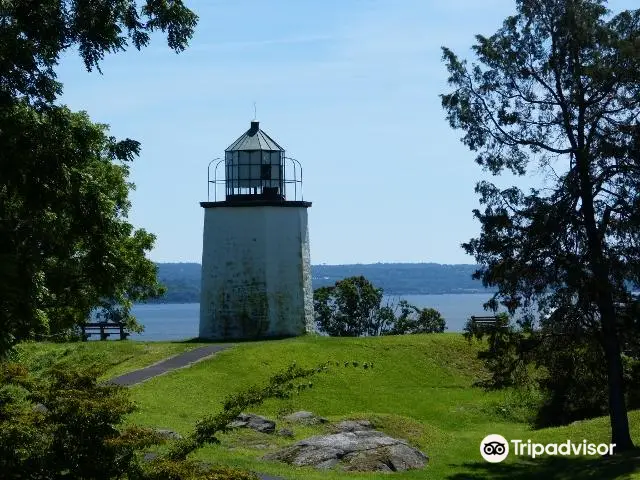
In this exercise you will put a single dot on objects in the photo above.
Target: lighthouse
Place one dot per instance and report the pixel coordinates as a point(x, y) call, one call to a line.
point(256, 266)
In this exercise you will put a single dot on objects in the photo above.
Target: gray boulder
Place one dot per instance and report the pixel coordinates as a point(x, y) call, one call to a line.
point(360, 450)
point(167, 434)
point(40, 408)
point(254, 422)
point(353, 426)
point(150, 456)
point(285, 432)
point(305, 418)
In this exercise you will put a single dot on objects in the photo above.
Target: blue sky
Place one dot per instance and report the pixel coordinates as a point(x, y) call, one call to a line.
point(349, 88)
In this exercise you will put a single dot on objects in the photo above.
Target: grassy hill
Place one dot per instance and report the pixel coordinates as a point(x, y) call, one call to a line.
point(420, 389)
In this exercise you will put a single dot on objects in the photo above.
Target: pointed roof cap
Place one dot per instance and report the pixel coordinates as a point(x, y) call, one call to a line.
point(255, 139)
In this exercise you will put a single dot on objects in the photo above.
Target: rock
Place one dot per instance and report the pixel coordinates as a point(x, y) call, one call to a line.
point(150, 456)
point(327, 464)
point(353, 426)
point(306, 418)
point(168, 434)
point(254, 422)
point(40, 408)
point(360, 450)
point(285, 432)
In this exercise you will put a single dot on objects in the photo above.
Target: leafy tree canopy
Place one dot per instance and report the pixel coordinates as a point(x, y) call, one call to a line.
point(353, 308)
point(65, 245)
point(417, 320)
point(557, 89)
point(33, 34)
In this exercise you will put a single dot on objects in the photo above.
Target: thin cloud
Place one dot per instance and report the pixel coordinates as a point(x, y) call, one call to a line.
point(262, 43)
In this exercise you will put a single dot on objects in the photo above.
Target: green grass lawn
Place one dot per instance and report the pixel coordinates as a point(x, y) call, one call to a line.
point(115, 357)
point(420, 389)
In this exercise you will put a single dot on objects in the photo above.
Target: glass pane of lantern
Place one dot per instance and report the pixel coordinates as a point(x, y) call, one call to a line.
point(243, 158)
point(243, 172)
point(254, 157)
point(275, 172)
point(266, 157)
point(255, 172)
point(242, 169)
point(265, 172)
point(275, 158)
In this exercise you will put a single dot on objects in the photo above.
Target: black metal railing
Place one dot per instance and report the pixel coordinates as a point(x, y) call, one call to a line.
point(288, 178)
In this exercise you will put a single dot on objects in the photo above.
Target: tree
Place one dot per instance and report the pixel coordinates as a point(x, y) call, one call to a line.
point(65, 245)
point(33, 35)
point(558, 87)
point(352, 308)
point(414, 320)
point(64, 206)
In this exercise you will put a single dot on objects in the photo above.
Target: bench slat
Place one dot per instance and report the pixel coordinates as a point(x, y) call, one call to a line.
point(104, 330)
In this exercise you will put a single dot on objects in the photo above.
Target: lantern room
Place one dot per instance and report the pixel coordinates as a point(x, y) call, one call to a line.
point(254, 166)
point(255, 169)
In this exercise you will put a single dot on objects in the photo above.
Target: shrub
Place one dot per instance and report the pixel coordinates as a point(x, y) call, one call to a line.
point(66, 426)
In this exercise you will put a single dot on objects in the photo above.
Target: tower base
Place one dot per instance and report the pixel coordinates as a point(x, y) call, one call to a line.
point(256, 271)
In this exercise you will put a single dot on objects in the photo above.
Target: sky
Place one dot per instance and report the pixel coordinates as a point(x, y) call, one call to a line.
point(349, 88)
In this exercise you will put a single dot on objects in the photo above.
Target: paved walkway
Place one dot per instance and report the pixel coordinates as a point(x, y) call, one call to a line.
point(179, 361)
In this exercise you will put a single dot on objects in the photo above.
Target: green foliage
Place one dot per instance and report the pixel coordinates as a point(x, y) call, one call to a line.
point(66, 423)
point(353, 308)
point(505, 356)
point(556, 89)
point(164, 469)
point(65, 247)
point(414, 320)
point(33, 36)
point(64, 204)
point(66, 426)
point(350, 308)
point(568, 370)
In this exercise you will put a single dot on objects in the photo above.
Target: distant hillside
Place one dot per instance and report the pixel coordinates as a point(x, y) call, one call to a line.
point(183, 279)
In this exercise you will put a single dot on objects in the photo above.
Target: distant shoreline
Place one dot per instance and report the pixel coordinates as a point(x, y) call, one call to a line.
point(396, 279)
point(164, 301)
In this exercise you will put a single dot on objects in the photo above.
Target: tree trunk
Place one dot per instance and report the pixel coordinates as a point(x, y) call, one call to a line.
point(619, 420)
point(618, 417)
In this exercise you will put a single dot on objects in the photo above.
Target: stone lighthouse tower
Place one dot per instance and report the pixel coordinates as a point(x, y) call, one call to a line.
point(256, 269)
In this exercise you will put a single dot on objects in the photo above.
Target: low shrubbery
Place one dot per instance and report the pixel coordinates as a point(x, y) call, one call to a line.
point(67, 424)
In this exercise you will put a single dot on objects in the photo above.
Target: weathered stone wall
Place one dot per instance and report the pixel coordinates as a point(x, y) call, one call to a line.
point(256, 273)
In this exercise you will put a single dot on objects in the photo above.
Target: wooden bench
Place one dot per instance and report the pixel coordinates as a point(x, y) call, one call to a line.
point(492, 321)
point(104, 330)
